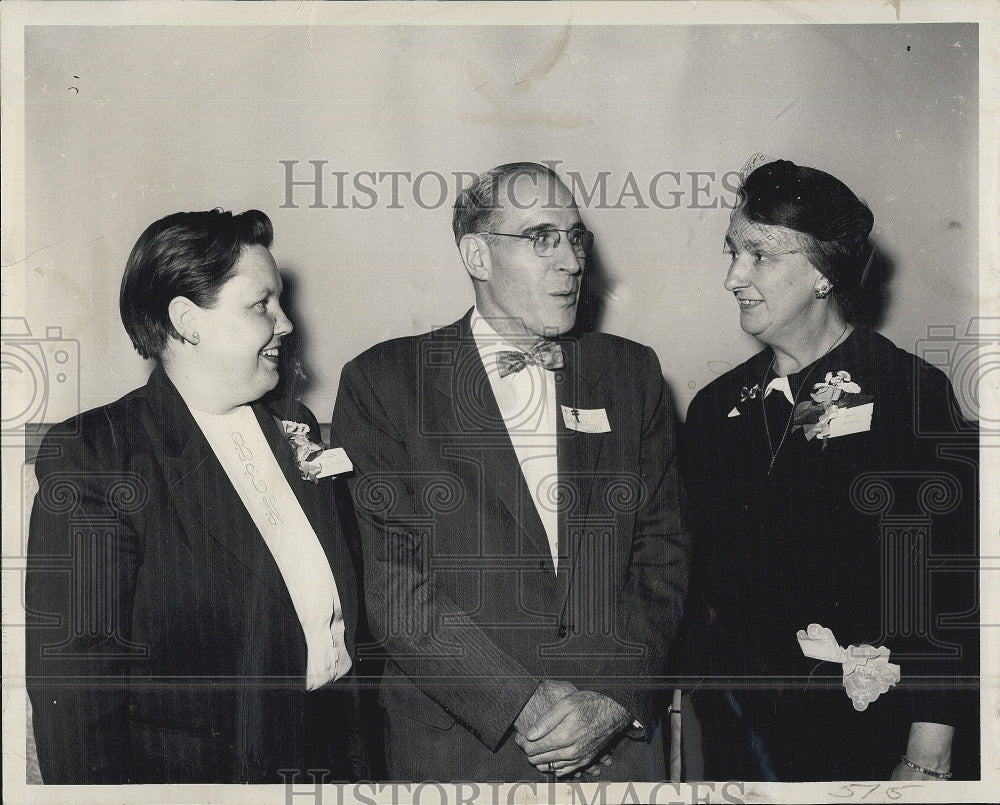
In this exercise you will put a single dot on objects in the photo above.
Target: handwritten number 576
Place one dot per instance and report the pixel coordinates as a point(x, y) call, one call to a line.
point(851, 790)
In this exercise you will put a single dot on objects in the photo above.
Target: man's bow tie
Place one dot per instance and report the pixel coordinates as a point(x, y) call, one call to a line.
point(548, 355)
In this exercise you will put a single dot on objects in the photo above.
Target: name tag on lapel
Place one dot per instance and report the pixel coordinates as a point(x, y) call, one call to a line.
point(333, 462)
point(852, 420)
point(586, 420)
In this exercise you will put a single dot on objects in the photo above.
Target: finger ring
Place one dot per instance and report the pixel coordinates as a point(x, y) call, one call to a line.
point(551, 768)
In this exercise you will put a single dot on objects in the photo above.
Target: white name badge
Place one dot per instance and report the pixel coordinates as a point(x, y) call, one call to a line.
point(333, 462)
point(586, 420)
point(852, 420)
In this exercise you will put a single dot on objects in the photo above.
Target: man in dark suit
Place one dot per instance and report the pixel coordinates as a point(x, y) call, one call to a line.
point(518, 498)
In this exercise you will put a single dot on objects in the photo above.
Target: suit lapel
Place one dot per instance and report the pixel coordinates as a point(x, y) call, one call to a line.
point(473, 406)
point(318, 507)
point(203, 496)
point(269, 421)
point(577, 388)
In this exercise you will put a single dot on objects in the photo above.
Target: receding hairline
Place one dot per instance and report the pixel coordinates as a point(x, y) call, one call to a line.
point(501, 192)
point(545, 200)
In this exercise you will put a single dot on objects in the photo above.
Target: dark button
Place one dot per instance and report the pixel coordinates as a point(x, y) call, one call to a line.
point(562, 630)
point(541, 565)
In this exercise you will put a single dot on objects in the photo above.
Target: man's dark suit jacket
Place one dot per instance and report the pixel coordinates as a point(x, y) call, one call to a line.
point(162, 644)
point(458, 570)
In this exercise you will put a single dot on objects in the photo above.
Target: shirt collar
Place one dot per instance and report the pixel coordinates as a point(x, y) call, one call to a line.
point(488, 340)
point(780, 384)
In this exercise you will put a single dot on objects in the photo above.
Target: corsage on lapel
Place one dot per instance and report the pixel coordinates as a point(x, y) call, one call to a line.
point(838, 408)
point(745, 394)
point(313, 460)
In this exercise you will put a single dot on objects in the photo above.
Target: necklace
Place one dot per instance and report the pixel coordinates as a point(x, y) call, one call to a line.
point(788, 423)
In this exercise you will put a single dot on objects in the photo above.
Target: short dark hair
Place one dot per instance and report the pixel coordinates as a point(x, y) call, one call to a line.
point(190, 254)
point(821, 206)
point(479, 208)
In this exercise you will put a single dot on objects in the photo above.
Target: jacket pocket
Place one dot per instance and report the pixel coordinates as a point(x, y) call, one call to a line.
point(399, 694)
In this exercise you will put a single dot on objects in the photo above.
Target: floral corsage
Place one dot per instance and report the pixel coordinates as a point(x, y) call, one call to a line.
point(306, 451)
point(830, 398)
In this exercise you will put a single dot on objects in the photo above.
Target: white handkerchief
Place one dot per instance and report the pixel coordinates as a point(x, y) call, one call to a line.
point(852, 420)
point(819, 643)
point(868, 674)
point(733, 413)
point(586, 420)
point(867, 671)
point(333, 462)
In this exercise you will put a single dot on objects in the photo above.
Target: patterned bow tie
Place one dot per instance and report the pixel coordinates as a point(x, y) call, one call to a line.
point(548, 355)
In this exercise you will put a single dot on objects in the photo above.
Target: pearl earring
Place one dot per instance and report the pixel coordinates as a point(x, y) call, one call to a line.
point(822, 290)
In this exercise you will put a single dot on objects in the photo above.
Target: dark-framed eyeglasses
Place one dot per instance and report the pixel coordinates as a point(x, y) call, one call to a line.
point(546, 241)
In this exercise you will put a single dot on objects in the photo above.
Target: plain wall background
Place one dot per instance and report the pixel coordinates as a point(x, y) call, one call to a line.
point(127, 124)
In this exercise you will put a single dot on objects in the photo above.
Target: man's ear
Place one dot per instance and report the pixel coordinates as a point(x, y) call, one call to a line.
point(476, 256)
point(184, 317)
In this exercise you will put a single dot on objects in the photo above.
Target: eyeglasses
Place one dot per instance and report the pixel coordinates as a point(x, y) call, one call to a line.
point(545, 241)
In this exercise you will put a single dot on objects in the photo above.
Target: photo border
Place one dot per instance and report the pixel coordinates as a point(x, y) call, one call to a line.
point(15, 16)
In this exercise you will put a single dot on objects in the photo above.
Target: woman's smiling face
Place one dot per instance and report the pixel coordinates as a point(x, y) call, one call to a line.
point(240, 335)
point(772, 279)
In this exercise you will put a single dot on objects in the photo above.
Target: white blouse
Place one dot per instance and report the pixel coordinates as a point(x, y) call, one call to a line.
point(240, 445)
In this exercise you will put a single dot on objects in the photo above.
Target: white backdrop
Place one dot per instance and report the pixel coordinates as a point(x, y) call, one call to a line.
point(127, 124)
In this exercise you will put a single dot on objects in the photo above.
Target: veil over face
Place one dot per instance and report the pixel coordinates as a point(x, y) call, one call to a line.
point(771, 277)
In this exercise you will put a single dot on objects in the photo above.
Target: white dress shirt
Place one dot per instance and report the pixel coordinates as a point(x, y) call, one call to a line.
point(527, 402)
point(240, 445)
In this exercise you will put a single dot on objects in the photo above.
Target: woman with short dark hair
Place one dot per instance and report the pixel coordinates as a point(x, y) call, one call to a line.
point(191, 595)
point(189, 254)
point(799, 464)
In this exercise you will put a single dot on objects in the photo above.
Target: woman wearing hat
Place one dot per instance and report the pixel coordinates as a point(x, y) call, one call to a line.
point(825, 618)
point(191, 594)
